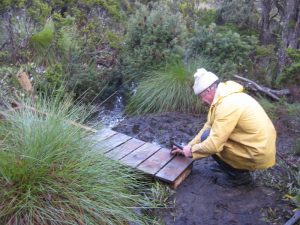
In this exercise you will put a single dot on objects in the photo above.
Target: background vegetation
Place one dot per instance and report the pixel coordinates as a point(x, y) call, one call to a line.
point(146, 49)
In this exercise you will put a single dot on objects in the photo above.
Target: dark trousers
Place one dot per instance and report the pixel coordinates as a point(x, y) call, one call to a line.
point(231, 171)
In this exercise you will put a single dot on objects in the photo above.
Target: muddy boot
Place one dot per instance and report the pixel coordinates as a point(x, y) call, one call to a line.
point(214, 167)
point(229, 180)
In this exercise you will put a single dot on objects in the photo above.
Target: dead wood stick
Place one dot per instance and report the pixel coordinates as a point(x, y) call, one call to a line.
point(268, 91)
point(294, 219)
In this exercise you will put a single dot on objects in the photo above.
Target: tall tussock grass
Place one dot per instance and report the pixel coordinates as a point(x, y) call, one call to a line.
point(166, 90)
point(51, 173)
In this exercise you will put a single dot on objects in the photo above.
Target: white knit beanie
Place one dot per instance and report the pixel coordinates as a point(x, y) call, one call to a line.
point(203, 79)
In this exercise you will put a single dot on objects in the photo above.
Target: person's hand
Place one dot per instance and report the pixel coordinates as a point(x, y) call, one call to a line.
point(186, 151)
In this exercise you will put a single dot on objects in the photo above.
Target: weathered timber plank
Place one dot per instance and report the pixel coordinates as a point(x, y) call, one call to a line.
point(154, 163)
point(103, 134)
point(174, 168)
point(124, 149)
point(112, 142)
point(139, 155)
point(181, 177)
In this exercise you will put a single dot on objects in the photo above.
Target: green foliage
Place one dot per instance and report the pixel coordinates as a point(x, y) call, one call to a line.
point(228, 51)
point(52, 79)
point(264, 50)
point(241, 12)
point(113, 39)
point(290, 74)
point(89, 81)
point(207, 17)
point(40, 43)
point(263, 66)
point(165, 90)
point(51, 173)
point(154, 35)
point(39, 10)
point(53, 42)
point(9, 85)
point(194, 14)
point(277, 108)
point(112, 7)
point(160, 194)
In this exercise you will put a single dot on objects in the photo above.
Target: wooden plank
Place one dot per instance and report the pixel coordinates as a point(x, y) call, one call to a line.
point(154, 163)
point(112, 142)
point(103, 134)
point(181, 177)
point(174, 169)
point(139, 155)
point(125, 149)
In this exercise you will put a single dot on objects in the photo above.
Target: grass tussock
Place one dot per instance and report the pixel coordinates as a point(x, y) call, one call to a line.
point(50, 172)
point(166, 90)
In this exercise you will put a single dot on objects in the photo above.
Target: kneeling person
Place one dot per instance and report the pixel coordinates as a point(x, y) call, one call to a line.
point(238, 133)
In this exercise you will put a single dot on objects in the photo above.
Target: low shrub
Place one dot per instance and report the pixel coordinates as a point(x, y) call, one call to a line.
point(154, 35)
point(227, 51)
point(240, 12)
point(290, 74)
point(51, 173)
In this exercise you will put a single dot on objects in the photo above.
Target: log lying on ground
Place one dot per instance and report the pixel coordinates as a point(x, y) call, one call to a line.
point(274, 94)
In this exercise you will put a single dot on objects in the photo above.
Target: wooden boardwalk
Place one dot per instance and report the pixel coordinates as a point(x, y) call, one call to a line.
point(146, 157)
point(149, 158)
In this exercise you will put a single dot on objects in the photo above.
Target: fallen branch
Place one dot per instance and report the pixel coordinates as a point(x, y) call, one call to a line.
point(274, 94)
point(294, 219)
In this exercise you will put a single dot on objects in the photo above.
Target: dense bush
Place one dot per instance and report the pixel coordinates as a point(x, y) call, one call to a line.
point(8, 82)
point(228, 51)
point(166, 90)
point(241, 12)
point(51, 173)
point(193, 13)
point(290, 75)
point(69, 31)
point(155, 35)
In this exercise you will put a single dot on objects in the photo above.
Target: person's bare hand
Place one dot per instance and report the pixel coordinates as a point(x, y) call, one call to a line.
point(186, 151)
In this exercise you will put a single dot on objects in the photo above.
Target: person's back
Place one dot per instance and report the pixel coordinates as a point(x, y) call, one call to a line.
point(251, 144)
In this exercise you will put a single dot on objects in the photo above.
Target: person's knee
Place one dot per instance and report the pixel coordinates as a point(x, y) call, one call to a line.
point(205, 135)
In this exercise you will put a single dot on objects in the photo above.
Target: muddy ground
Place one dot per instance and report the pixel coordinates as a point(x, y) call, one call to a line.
point(200, 200)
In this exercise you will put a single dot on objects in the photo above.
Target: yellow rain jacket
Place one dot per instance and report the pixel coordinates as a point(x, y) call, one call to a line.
point(241, 132)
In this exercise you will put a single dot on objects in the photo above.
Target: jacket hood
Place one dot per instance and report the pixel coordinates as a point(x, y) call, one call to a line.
point(225, 89)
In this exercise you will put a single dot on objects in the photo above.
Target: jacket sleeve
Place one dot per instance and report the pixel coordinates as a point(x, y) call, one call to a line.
point(227, 114)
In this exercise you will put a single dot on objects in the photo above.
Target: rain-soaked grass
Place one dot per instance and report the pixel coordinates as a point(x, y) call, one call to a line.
point(166, 90)
point(50, 172)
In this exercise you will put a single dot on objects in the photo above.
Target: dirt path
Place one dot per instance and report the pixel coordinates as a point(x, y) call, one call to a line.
point(199, 200)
